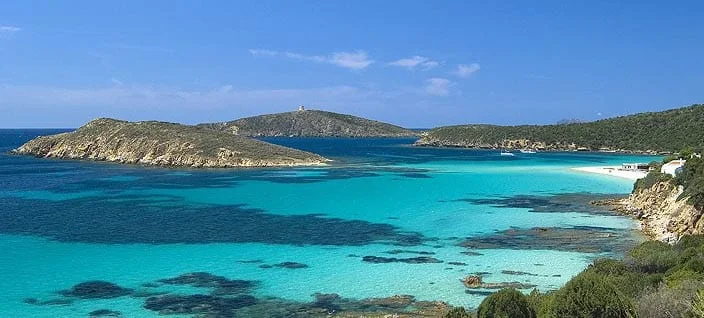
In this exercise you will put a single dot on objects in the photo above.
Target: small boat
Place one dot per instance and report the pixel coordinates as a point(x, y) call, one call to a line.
point(527, 151)
point(506, 153)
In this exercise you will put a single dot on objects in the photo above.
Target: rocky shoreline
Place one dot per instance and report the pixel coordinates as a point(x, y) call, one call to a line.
point(660, 212)
point(164, 144)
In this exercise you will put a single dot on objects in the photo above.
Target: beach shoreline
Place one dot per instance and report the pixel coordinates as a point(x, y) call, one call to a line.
point(614, 171)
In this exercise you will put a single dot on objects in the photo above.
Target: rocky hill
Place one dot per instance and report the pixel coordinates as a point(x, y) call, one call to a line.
point(164, 144)
point(665, 131)
point(310, 123)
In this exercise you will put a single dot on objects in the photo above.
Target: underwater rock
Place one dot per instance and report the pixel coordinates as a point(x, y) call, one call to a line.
point(252, 261)
point(50, 302)
point(472, 281)
point(148, 293)
point(291, 265)
point(265, 266)
point(395, 301)
point(198, 304)
point(478, 292)
point(575, 239)
point(222, 285)
point(104, 313)
point(517, 273)
point(516, 285)
point(411, 260)
point(457, 263)
point(96, 289)
point(409, 252)
point(196, 279)
point(470, 253)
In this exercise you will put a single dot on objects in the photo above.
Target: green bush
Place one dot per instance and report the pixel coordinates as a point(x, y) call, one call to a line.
point(589, 295)
point(542, 304)
point(678, 277)
point(653, 257)
point(506, 303)
point(650, 179)
point(457, 312)
point(692, 179)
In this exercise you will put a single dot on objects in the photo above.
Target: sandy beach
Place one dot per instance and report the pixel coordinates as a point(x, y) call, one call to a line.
point(614, 171)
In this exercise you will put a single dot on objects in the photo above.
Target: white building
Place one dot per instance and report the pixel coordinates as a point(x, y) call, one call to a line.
point(673, 167)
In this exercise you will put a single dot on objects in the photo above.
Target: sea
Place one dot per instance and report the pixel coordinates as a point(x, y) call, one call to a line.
point(383, 218)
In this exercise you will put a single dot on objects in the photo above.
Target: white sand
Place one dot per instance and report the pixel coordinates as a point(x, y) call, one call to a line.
point(614, 171)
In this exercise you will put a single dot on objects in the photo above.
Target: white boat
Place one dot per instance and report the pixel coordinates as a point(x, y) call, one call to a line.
point(527, 151)
point(506, 153)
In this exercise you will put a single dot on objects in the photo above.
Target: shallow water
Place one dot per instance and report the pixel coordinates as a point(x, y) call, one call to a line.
point(67, 222)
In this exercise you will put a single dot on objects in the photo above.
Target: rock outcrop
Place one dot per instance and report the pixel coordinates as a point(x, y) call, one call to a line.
point(662, 213)
point(310, 123)
point(164, 144)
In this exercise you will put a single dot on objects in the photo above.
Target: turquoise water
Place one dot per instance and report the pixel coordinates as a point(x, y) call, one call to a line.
point(67, 222)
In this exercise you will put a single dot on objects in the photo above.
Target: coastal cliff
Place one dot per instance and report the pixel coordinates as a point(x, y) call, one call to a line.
point(310, 123)
point(663, 214)
point(164, 144)
point(655, 132)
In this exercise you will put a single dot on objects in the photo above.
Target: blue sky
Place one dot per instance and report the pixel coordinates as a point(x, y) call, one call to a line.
point(414, 63)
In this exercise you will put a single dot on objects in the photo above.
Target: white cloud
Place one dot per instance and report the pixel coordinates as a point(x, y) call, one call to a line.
point(466, 70)
point(356, 60)
point(415, 61)
point(353, 60)
point(438, 86)
point(116, 81)
point(7, 31)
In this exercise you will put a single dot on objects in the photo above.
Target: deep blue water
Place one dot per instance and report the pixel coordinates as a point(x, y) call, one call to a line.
point(357, 226)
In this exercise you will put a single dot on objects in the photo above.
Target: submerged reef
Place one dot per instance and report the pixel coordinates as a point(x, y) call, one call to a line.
point(576, 239)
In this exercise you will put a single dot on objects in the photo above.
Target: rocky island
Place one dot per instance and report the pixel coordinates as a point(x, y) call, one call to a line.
point(164, 144)
point(310, 123)
point(654, 132)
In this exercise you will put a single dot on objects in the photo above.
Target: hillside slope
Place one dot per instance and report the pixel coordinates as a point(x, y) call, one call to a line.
point(164, 144)
point(310, 123)
point(667, 131)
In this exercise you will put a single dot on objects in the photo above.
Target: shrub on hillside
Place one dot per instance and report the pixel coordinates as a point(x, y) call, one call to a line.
point(457, 312)
point(589, 295)
point(664, 302)
point(652, 257)
point(650, 180)
point(506, 303)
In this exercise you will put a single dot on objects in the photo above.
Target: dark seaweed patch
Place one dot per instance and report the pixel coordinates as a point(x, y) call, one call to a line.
point(136, 219)
point(411, 260)
point(96, 289)
point(577, 239)
point(198, 304)
point(564, 202)
point(104, 313)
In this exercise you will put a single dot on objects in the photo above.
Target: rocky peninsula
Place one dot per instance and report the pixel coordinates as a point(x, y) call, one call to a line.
point(155, 143)
point(310, 123)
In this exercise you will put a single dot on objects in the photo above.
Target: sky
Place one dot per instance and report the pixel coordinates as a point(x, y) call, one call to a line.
point(419, 64)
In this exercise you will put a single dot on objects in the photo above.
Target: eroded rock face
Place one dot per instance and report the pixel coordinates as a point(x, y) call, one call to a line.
point(164, 144)
point(663, 217)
